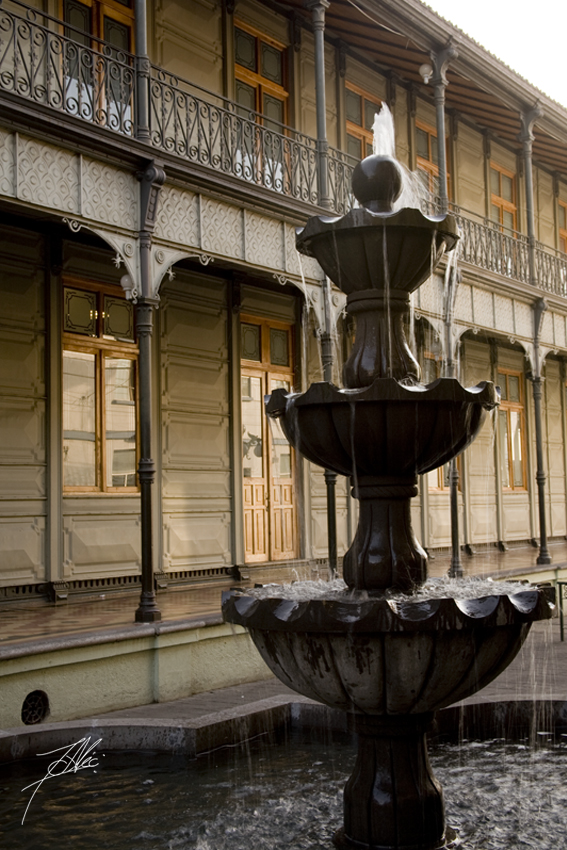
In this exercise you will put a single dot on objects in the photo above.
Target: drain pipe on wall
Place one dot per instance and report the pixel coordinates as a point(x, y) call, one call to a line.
point(151, 181)
point(529, 118)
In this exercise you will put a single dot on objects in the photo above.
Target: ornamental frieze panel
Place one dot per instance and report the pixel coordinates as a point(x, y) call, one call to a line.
point(504, 314)
point(110, 195)
point(7, 164)
point(264, 240)
point(178, 217)
point(222, 229)
point(48, 176)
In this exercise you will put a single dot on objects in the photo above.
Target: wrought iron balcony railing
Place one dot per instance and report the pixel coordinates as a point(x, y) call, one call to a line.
point(50, 62)
point(54, 64)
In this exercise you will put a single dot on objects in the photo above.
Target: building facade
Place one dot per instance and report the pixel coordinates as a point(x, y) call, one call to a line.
point(155, 160)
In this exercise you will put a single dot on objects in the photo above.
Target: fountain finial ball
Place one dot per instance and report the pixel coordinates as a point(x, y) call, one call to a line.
point(377, 183)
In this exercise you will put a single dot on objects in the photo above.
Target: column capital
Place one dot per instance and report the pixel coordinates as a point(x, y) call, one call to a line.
point(317, 9)
point(528, 118)
point(441, 60)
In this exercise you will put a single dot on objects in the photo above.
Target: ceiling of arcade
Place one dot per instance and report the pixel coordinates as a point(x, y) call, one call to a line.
point(401, 45)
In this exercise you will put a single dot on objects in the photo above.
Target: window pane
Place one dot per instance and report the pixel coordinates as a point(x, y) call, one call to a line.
point(274, 109)
point(354, 107)
point(251, 342)
point(507, 187)
point(514, 387)
point(245, 49)
point(563, 217)
point(495, 182)
point(370, 110)
point(79, 16)
point(252, 420)
point(501, 382)
point(281, 450)
point(279, 347)
point(118, 319)
point(246, 96)
point(117, 34)
point(353, 146)
point(503, 438)
point(79, 312)
point(421, 138)
point(272, 63)
point(368, 149)
point(517, 466)
point(495, 213)
point(508, 220)
point(79, 417)
point(120, 420)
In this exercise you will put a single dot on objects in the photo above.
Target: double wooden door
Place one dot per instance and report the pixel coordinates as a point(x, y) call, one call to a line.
point(270, 521)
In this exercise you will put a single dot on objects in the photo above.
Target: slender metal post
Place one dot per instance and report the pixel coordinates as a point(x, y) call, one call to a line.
point(148, 611)
point(440, 61)
point(142, 73)
point(330, 477)
point(456, 567)
point(151, 181)
point(317, 9)
point(529, 118)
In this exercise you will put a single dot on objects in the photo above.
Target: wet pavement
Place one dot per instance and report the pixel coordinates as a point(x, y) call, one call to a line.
point(26, 621)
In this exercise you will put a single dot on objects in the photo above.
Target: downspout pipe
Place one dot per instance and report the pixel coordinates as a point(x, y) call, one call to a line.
point(317, 9)
point(151, 181)
point(142, 73)
point(528, 119)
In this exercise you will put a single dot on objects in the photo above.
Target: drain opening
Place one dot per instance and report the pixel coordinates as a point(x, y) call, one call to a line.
point(35, 708)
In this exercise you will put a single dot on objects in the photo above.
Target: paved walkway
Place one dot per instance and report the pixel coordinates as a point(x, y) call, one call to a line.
point(26, 621)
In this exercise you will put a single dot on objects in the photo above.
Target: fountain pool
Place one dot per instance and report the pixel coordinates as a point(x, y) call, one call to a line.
point(500, 796)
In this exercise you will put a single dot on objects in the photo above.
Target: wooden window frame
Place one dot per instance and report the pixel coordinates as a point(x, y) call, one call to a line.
point(501, 203)
point(428, 166)
point(507, 406)
point(255, 79)
point(101, 348)
point(359, 131)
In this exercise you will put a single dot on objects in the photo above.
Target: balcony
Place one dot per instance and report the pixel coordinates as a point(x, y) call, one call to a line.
point(49, 63)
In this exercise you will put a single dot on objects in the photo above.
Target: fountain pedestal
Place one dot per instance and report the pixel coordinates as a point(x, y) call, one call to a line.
point(392, 774)
point(384, 552)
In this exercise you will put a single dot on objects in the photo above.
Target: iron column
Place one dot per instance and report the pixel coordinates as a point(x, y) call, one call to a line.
point(440, 61)
point(529, 117)
point(151, 181)
point(317, 9)
point(330, 477)
point(142, 73)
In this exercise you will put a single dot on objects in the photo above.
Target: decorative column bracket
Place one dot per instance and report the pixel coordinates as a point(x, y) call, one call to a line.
point(313, 293)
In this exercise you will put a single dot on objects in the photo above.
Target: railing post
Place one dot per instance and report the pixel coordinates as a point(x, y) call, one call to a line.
point(317, 9)
point(528, 118)
point(142, 101)
point(152, 180)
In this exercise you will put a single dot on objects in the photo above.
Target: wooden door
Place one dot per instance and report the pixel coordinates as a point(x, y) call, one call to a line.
point(270, 522)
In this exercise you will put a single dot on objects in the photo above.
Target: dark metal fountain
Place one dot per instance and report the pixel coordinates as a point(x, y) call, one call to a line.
point(388, 661)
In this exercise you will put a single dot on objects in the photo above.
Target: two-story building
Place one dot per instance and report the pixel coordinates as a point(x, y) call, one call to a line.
point(155, 160)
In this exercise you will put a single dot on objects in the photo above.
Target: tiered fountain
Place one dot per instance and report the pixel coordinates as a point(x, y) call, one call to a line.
point(388, 659)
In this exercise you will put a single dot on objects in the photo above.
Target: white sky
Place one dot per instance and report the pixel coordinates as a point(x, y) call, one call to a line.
point(529, 37)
